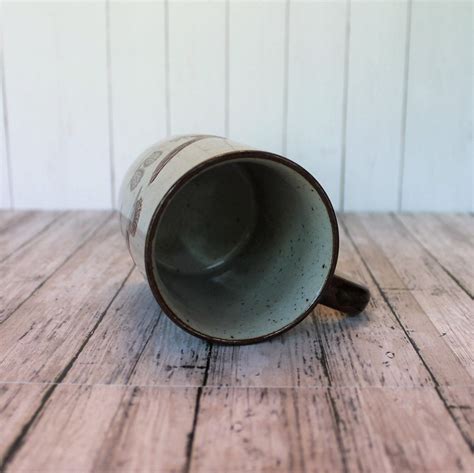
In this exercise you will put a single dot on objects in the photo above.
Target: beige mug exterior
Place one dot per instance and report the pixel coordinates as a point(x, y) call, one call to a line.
point(151, 177)
point(161, 171)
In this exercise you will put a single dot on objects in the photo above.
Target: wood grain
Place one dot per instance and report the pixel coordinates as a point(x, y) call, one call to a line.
point(27, 269)
point(18, 405)
point(137, 344)
point(43, 337)
point(57, 319)
point(93, 377)
point(377, 429)
point(435, 319)
point(20, 227)
point(97, 428)
point(461, 408)
point(262, 430)
point(404, 427)
point(449, 238)
point(446, 305)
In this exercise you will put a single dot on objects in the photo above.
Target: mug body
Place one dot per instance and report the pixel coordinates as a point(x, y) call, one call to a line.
point(236, 244)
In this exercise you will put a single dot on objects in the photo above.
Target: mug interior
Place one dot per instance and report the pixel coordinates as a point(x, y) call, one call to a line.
point(242, 249)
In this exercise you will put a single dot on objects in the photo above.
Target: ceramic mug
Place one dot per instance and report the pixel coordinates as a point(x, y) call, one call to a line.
point(237, 244)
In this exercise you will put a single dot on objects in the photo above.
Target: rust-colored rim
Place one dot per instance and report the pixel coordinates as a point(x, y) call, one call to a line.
point(231, 156)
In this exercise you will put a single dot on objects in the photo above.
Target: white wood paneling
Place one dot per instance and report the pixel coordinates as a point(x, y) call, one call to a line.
point(257, 72)
point(438, 156)
point(197, 66)
point(379, 110)
point(315, 89)
point(137, 51)
point(55, 72)
point(375, 104)
point(5, 191)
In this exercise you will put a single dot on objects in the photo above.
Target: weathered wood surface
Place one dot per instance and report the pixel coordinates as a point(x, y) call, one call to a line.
point(94, 377)
point(376, 429)
point(17, 228)
point(26, 269)
point(400, 264)
point(95, 428)
point(450, 240)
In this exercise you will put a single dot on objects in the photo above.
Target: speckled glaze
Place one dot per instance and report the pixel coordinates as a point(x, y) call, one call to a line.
point(237, 244)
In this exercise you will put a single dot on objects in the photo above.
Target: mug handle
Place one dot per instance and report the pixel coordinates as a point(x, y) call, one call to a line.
point(345, 296)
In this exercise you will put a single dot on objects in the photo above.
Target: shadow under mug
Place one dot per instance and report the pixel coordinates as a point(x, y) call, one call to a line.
point(237, 244)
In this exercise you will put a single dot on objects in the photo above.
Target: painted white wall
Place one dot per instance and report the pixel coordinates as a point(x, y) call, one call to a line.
point(374, 97)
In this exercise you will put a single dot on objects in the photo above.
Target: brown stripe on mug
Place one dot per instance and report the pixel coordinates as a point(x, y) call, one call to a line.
point(173, 153)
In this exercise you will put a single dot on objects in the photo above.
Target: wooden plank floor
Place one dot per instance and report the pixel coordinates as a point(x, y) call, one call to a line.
point(94, 377)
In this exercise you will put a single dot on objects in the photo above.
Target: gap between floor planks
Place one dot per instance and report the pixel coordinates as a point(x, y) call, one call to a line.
point(18, 228)
point(207, 359)
point(396, 276)
point(33, 255)
point(99, 428)
point(449, 239)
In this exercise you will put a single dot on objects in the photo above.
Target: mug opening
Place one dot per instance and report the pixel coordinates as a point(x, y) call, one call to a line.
point(242, 247)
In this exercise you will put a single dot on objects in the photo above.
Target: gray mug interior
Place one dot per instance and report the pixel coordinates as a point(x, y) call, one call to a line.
point(243, 249)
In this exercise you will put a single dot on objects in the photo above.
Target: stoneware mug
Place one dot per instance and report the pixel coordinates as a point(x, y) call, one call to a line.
point(237, 245)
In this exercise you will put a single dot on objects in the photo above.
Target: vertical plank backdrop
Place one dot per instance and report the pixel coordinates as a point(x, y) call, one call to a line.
point(375, 105)
point(316, 82)
point(137, 80)
point(257, 72)
point(5, 189)
point(373, 97)
point(438, 156)
point(197, 67)
point(56, 94)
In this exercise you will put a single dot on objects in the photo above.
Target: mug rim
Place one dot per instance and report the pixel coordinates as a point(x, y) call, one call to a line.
point(179, 183)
